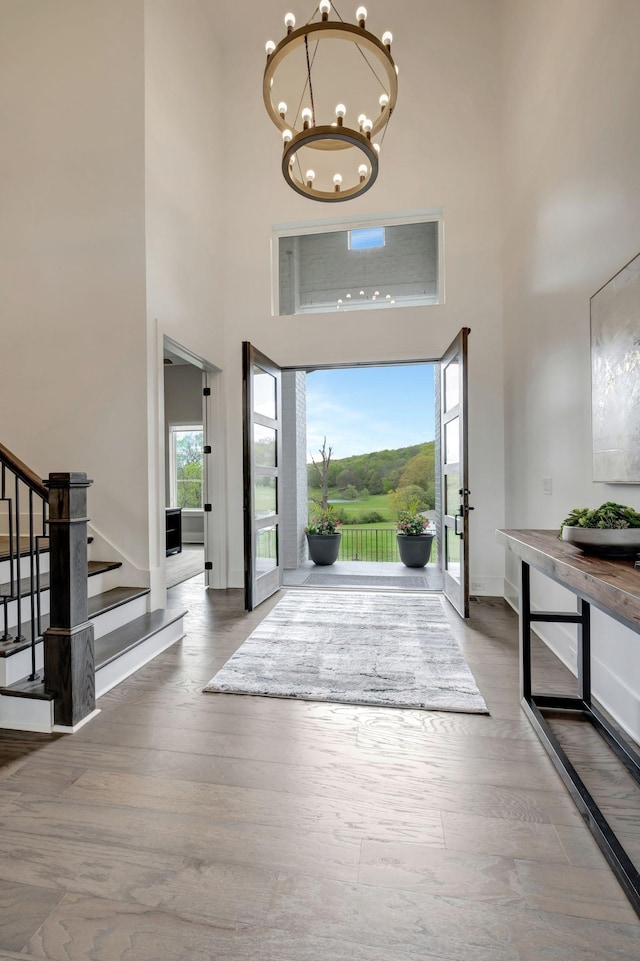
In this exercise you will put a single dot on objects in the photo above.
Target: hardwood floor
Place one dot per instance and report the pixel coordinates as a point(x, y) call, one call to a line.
point(180, 825)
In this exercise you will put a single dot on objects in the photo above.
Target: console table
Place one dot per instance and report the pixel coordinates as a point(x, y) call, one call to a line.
point(612, 586)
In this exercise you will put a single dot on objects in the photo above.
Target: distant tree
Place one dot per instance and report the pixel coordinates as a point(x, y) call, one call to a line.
point(322, 471)
point(347, 477)
point(403, 497)
point(364, 494)
point(349, 493)
point(420, 470)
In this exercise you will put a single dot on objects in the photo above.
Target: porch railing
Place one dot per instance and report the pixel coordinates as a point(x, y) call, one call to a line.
point(371, 544)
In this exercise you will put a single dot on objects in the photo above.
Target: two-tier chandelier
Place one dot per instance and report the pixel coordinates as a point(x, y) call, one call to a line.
point(330, 87)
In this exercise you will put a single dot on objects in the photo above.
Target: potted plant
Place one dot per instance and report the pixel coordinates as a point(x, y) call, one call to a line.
point(323, 537)
point(611, 530)
point(414, 537)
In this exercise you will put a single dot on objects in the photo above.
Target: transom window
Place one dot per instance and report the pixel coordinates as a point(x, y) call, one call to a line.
point(378, 266)
point(186, 465)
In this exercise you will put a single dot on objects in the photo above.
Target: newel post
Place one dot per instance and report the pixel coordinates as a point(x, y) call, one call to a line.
point(69, 663)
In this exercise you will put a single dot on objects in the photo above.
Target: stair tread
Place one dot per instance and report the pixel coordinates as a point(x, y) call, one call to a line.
point(117, 596)
point(27, 688)
point(113, 645)
point(93, 568)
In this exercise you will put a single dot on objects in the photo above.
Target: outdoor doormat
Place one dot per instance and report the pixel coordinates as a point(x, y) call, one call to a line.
point(392, 650)
point(408, 583)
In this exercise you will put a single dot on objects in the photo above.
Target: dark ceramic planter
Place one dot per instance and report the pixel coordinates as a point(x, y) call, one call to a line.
point(415, 549)
point(324, 548)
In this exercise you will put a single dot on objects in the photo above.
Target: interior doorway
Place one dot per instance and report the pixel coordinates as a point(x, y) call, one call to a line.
point(194, 535)
point(373, 431)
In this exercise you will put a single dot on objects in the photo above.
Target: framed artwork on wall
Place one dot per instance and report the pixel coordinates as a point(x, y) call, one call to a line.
point(615, 377)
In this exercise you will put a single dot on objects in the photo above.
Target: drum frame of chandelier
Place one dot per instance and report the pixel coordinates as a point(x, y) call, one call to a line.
point(329, 137)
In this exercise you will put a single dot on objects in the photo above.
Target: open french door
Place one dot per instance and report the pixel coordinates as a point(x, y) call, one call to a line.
point(455, 476)
point(262, 458)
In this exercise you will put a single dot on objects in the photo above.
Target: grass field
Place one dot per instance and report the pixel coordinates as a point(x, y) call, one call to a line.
point(375, 502)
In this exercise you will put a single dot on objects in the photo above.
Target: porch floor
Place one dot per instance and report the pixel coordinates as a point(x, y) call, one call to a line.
point(380, 571)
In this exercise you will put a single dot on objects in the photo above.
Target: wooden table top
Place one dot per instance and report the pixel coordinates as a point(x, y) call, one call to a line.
point(613, 586)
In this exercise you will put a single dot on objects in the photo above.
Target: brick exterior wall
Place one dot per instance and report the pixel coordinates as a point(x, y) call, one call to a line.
point(293, 475)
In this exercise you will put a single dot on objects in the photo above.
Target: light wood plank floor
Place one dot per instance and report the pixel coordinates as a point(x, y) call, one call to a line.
point(179, 825)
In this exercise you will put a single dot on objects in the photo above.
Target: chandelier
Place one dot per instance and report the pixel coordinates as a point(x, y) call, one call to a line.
point(330, 87)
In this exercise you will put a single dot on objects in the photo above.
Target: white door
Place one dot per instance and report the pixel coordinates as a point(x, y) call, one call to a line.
point(262, 458)
point(455, 478)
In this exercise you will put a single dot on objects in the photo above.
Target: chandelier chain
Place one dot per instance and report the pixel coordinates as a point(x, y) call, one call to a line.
point(306, 47)
point(304, 89)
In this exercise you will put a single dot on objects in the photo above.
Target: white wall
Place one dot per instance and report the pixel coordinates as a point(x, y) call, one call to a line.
point(72, 251)
point(572, 201)
point(441, 151)
point(184, 198)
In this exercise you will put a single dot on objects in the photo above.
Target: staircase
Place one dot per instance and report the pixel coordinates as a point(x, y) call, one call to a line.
point(126, 634)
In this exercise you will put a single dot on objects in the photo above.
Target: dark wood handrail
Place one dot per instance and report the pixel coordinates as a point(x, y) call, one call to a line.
point(25, 473)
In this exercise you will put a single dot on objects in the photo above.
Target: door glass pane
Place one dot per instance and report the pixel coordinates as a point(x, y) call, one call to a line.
point(264, 393)
point(452, 553)
point(451, 386)
point(264, 446)
point(452, 441)
point(266, 550)
point(452, 494)
point(265, 496)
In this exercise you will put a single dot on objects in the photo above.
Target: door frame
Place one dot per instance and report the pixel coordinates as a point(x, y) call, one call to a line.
point(214, 492)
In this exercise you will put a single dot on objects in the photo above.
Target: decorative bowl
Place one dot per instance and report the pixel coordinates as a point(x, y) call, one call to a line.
point(604, 541)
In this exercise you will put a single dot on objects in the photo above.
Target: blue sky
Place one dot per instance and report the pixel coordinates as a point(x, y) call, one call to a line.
point(364, 409)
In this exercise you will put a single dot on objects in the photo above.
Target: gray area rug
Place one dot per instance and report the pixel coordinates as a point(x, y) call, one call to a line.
point(409, 583)
point(393, 650)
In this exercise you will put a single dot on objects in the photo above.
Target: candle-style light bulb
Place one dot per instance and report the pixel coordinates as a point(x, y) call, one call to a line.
point(287, 136)
point(361, 119)
point(337, 181)
point(325, 7)
point(361, 16)
point(383, 101)
point(363, 170)
point(387, 39)
point(269, 47)
point(290, 22)
point(307, 116)
point(376, 147)
point(367, 127)
point(341, 111)
point(282, 108)
point(311, 176)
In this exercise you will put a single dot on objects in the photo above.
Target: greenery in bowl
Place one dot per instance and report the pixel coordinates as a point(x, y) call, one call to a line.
point(412, 521)
point(323, 523)
point(608, 515)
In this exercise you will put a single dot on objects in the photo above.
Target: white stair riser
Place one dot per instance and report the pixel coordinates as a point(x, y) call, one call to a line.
point(126, 665)
point(25, 567)
point(18, 666)
point(101, 583)
point(119, 616)
point(26, 714)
